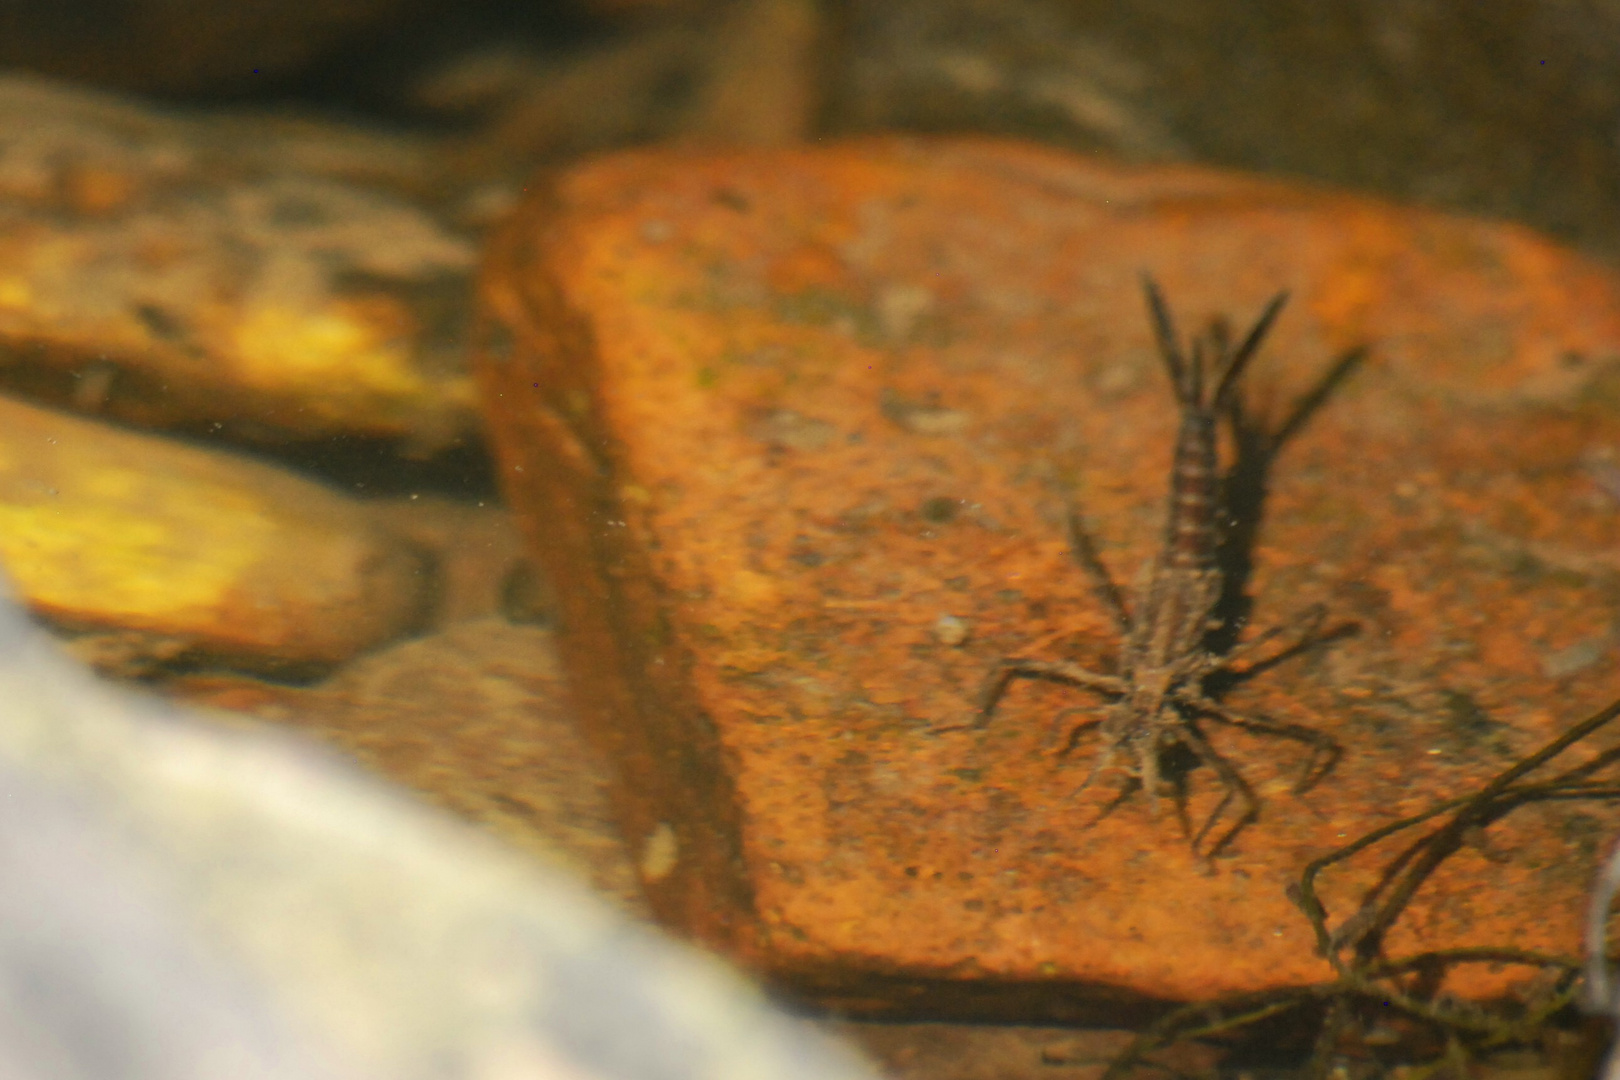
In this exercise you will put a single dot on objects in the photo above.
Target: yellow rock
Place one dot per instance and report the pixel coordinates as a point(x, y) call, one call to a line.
point(106, 530)
point(171, 271)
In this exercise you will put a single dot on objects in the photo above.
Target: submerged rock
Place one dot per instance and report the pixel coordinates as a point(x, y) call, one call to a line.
point(156, 551)
point(272, 281)
point(768, 417)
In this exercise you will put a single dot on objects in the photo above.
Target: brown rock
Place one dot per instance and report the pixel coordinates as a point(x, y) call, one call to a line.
point(763, 85)
point(194, 272)
point(156, 550)
point(477, 550)
point(475, 718)
point(1001, 1052)
point(774, 421)
point(731, 74)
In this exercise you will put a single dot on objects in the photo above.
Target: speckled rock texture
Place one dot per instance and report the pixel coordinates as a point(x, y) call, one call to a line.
point(793, 433)
point(265, 280)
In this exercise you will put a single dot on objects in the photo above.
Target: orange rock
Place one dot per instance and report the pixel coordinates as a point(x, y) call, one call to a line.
point(793, 432)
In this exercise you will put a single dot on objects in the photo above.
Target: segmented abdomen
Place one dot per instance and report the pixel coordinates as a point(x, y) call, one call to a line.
point(1194, 489)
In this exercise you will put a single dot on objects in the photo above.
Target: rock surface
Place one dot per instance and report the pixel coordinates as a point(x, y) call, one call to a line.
point(735, 73)
point(475, 718)
point(186, 900)
point(156, 551)
point(777, 422)
point(271, 282)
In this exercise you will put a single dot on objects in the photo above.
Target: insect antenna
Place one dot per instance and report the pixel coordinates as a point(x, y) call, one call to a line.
point(1235, 363)
point(1165, 331)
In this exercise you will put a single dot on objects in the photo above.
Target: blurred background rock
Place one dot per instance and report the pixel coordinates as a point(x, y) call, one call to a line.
point(1509, 109)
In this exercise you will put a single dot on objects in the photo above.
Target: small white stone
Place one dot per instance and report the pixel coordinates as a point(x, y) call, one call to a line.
point(950, 630)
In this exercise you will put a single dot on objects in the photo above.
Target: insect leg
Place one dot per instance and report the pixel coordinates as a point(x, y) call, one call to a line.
point(1232, 781)
point(1049, 670)
point(1298, 630)
point(1325, 750)
point(1074, 739)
